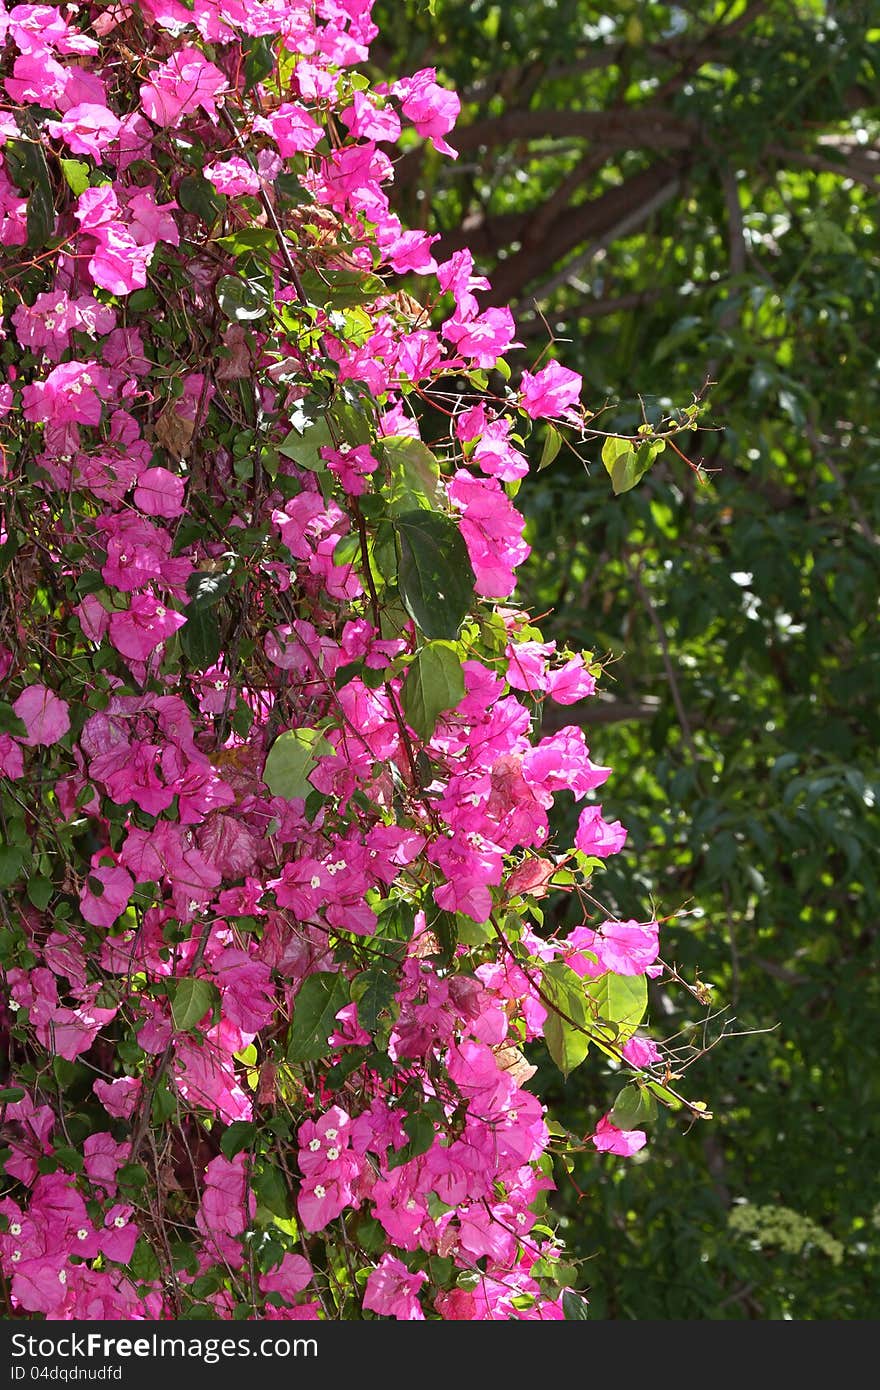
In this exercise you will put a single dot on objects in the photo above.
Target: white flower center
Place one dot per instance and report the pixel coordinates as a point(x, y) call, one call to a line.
point(320, 1191)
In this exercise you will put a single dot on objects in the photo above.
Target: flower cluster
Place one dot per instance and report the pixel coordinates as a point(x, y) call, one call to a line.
point(275, 795)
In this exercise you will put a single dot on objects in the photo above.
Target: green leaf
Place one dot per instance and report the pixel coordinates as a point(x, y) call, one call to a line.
point(621, 1000)
point(200, 639)
point(191, 1001)
point(304, 442)
point(669, 1099)
point(434, 683)
point(270, 1190)
point(374, 992)
point(292, 759)
point(76, 173)
point(249, 241)
point(552, 445)
point(341, 288)
point(40, 217)
point(206, 589)
point(435, 576)
point(26, 164)
point(627, 466)
point(10, 722)
point(574, 1307)
point(144, 1264)
point(634, 1105)
point(419, 1128)
point(241, 300)
point(198, 195)
point(397, 920)
point(445, 927)
point(566, 1032)
point(40, 890)
point(260, 61)
point(315, 1008)
point(415, 474)
point(11, 861)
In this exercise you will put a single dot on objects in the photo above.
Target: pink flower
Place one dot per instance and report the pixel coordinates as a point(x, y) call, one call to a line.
point(641, 1052)
point(550, 392)
point(596, 836)
point(492, 529)
point(368, 121)
point(160, 493)
point(291, 127)
point(120, 1097)
point(482, 339)
point(432, 109)
point(527, 665)
point(143, 626)
point(70, 393)
point(351, 466)
point(625, 948)
point(119, 264)
point(45, 716)
point(226, 1208)
point(457, 275)
point(608, 1139)
point(392, 1291)
point(11, 758)
point(407, 250)
point(290, 1278)
point(86, 129)
point(233, 176)
point(151, 221)
point(572, 682)
point(319, 1202)
point(180, 86)
point(105, 895)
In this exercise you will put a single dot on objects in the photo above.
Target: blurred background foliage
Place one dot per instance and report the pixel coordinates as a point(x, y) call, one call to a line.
point(681, 194)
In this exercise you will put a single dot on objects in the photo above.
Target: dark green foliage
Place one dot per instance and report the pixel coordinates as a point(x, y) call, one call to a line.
point(692, 195)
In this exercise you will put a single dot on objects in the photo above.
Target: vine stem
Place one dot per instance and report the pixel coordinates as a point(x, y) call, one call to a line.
point(604, 1046)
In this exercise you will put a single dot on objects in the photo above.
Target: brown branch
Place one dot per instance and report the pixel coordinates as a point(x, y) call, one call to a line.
point(625, 206)
point(860, 171)
point(622, 128)
point(599, 709)
point(629, 223)
point(681, 712)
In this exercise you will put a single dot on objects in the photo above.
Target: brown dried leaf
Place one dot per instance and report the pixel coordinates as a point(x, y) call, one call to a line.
point(511, 1060)
point(174, 432)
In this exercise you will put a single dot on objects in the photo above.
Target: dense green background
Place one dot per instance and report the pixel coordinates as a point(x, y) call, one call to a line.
point(690, 192)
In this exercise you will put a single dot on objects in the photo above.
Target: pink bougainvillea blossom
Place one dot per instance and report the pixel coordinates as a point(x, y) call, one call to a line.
point(143, 626)
point(432, 109)
point(393, 1291)
point(550, 392)
point(45, 716)
point(597, 836)
point(160, 493)
point(608, 1139)
point(279, 907)
point(105, 895)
